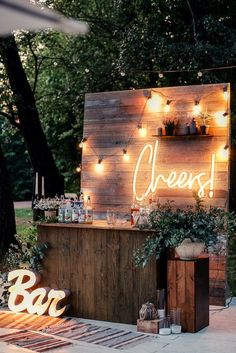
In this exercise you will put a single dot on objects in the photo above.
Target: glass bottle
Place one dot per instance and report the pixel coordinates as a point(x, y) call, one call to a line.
point(88, 211)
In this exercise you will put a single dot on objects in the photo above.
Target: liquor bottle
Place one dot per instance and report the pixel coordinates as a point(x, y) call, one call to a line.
point(61, 213)
point(68, 212)
point(88, 212)
point(134, 212)
point(81, 199)
point(75, 215)
point(81, 215)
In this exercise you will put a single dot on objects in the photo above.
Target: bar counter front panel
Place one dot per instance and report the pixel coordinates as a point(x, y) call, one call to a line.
point(96, 263)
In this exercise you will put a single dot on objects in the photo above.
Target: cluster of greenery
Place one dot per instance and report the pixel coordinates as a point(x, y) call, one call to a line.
point(26, 253)
point(212, 226)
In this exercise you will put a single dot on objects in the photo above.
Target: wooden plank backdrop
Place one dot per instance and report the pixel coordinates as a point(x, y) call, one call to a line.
point(110, 125)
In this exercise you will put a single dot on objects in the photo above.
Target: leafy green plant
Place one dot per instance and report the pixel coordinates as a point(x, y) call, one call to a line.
point(172, 225)
point(205, 118)
point(4, 285)
point(170, 123)
point(27, 253)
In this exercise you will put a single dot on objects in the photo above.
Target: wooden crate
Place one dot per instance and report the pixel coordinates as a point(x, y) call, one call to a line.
point(188, 289)
point(148, 326)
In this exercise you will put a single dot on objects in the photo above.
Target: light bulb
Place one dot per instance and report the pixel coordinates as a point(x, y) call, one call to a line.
point(196, 108)
point(142, 130)
point(99, 167)
point(81, 144)
point(221, 119)
point(225, 93)
point(154, 103)
point(125, 155)
point(167, 107)
point(78, 169)
point(223, 154)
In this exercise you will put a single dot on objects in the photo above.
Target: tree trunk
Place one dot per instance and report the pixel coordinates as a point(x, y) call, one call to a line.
point(40, 155)
point(7, 215)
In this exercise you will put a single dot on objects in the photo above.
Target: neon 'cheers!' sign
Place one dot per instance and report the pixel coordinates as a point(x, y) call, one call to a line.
point(23, 296)
point(182, 180)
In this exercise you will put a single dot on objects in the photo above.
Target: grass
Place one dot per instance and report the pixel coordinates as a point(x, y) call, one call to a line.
point(24, 218)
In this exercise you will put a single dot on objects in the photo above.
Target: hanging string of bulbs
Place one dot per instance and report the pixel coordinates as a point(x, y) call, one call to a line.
point(199, 72)
point(147, 93)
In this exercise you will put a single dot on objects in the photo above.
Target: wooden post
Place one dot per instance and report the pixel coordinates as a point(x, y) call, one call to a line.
point(188, 289)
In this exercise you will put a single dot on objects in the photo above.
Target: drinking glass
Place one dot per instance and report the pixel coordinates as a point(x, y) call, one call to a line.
point(111, 217)
point(175, 319)
point(164, 326)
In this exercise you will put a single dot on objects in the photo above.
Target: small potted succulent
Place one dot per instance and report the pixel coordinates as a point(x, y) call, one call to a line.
point(170, 125)
point(204, 122)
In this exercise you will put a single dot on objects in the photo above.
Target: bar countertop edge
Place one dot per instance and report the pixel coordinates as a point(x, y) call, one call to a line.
point(98, 224)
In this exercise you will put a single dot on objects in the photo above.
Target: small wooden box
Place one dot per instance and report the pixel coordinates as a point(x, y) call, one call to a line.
point(148, 326)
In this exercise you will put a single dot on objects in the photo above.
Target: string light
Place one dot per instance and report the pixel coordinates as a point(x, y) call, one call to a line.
point(82, 142)
point(167, 106)
point(196, 108)
point(155, 102)
point(99, 166)
point(125, 155)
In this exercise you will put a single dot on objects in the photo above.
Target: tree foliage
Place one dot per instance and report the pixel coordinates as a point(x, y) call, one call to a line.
point(129, 44)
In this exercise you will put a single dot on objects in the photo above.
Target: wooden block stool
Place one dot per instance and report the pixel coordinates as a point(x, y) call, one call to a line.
point(188, 289)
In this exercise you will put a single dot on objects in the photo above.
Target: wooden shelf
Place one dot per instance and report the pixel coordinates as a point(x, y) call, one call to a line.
point(183, 137)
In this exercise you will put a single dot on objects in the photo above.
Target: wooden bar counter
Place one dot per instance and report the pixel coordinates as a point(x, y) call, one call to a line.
point(96, 263)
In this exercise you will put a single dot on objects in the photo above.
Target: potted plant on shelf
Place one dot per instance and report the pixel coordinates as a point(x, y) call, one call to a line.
point(204, 122)
point(208, 228)
point(170, 125)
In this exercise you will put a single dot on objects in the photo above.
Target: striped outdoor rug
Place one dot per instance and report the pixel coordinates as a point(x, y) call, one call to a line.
point(34, 341)
point(73, 329)
point(23, 321)
point(101, 335)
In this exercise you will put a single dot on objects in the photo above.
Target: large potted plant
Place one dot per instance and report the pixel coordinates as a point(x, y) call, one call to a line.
point(171, 226)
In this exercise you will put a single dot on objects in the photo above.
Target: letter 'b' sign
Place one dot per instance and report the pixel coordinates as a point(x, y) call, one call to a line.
point(35, 301)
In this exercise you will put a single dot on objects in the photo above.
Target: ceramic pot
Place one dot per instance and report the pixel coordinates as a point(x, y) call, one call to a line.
point(204, 129)
point(169, 130)
point(50, 214)
point(188, 250)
